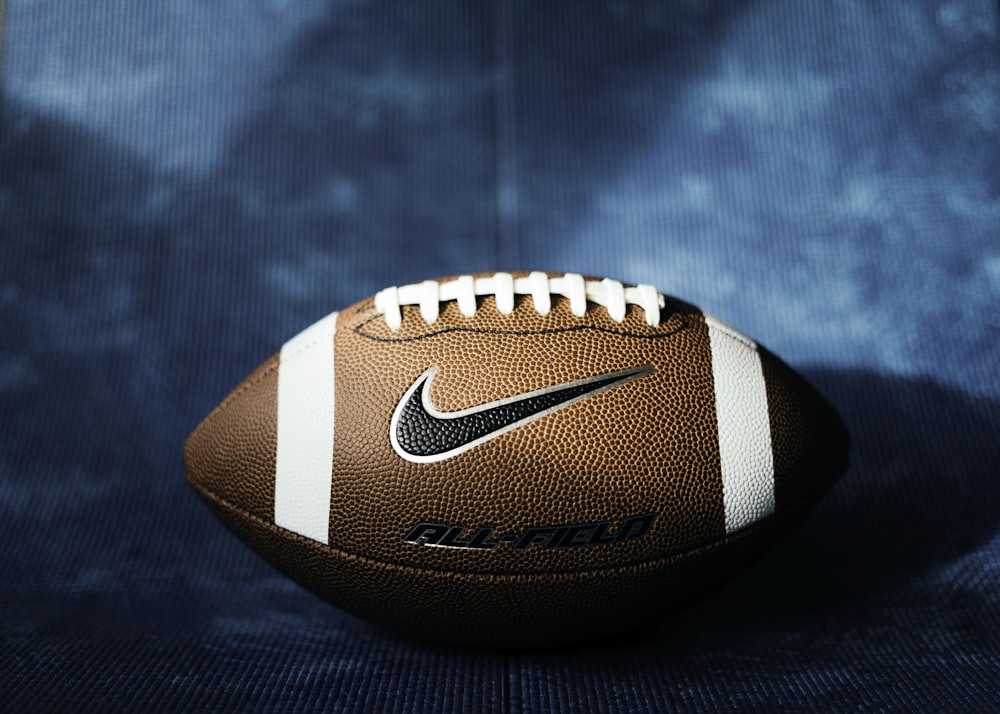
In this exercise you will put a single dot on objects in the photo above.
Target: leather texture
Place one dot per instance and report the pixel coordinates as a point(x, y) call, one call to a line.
point(650, 445)
point(232, 454)
point(513, 610)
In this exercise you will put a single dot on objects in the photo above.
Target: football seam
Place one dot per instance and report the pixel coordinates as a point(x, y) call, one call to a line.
point(812, 496)
point(684, 320)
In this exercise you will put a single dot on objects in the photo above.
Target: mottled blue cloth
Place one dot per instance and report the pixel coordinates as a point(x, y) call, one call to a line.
point(184, 185)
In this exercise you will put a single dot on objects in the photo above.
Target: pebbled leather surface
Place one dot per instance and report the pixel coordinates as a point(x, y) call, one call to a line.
point(232, 453)
point(646, 446)
point(804, 430)
point(512, 610)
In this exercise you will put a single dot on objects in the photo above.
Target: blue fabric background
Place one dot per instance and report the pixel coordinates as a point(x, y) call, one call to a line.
point(185, 185)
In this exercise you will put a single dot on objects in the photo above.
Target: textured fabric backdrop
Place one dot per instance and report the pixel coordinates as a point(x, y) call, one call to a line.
point(185, 185)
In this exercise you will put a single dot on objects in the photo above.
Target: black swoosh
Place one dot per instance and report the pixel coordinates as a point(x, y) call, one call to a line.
point(421, 433)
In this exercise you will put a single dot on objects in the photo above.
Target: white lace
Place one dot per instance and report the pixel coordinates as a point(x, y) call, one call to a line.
point(609, 294)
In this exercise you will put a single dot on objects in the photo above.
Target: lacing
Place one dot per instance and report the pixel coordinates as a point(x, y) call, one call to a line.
point(609, 294)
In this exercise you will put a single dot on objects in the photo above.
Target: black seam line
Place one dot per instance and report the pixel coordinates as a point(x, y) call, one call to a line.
point(812, 495)
point(685, 323)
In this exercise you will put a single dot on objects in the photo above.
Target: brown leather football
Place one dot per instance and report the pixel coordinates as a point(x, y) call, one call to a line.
point(516, 459)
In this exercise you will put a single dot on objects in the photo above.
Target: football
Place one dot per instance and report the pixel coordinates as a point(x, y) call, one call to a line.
point(516, 459)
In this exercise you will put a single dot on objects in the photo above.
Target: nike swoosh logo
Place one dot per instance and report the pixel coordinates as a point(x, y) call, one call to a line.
point(422, 434)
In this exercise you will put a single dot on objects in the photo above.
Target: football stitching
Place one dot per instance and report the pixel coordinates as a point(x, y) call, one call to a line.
point(504, 287)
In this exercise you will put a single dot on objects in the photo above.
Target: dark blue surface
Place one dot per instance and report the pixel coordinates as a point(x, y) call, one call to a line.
point(185, 185)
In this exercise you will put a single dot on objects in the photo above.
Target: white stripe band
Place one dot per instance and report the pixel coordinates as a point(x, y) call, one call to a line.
point(304, 466)
point(744, 426)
